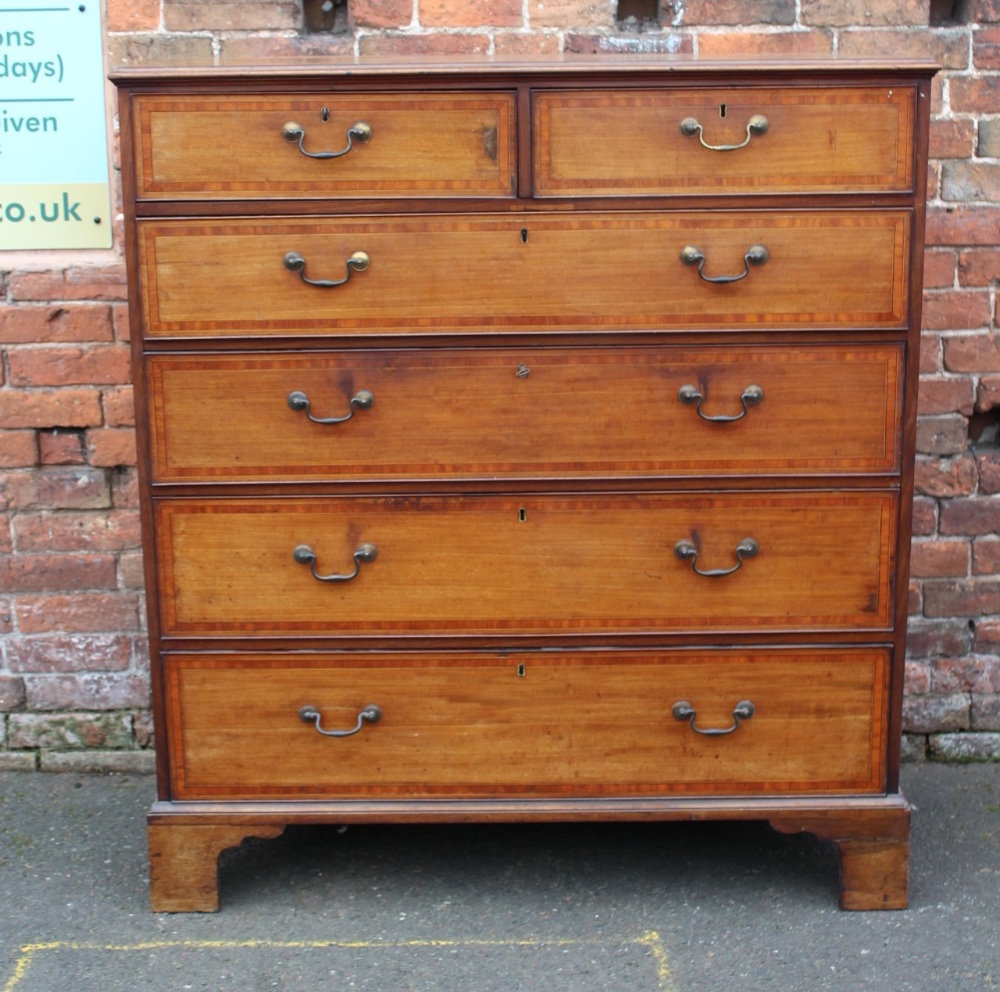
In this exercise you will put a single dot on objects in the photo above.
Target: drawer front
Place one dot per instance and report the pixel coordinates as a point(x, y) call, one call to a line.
point(648, 142)
point(529, 565)
point(528, 413)
point(502, 274)
point(239, 147)
point(532, 725)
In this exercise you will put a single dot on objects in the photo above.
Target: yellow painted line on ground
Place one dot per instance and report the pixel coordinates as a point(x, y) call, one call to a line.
point(28, 952)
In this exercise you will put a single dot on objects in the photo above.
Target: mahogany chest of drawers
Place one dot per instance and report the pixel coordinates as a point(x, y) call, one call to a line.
point(526, 442)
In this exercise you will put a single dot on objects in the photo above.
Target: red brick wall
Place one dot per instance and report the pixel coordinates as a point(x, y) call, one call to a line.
point(73, 664)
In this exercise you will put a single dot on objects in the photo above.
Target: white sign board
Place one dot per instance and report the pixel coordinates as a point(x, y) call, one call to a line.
point(54, 189)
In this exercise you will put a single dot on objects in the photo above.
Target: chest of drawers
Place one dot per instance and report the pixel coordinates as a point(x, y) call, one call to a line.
point(526, 442)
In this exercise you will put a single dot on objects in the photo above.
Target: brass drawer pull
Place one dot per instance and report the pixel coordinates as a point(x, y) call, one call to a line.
point(361, 400)
point(758, 124)
point(359, 131)
point(294, 262)
point(305, 555)
point(755, 255)
point(689, 395)
point(311, 714)
point(686, 551)
point(683, 710)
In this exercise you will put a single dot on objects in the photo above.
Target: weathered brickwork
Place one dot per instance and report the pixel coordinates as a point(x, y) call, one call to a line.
point(74, 691)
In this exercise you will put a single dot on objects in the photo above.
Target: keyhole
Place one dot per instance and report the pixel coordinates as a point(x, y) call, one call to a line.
point(324, 114)
point(521, 671)
point(722, 110)
point(522, 514)
point(524, 235)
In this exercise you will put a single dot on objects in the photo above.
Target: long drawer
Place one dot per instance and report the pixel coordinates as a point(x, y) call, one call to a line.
point(528, 413)
point(681, 142)
point(261, 147)
point(526, 272)
point(426, 565)
point(534, 724)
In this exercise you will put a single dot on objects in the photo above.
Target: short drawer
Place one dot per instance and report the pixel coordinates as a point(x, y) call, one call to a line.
point(321, 145)
point(496, 565)
point(529, 725)
point(525, 413)
point(738, 140)
point(494, 274)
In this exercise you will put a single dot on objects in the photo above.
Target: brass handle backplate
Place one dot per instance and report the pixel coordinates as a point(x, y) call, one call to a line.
point(683, 710)
point(311, 714)
point(295, 262)
point(686, 551)
point(359, 131)
point(757, 125)
point(755, 255)
point(690, 396)
point(363, 399)
point(305, 555)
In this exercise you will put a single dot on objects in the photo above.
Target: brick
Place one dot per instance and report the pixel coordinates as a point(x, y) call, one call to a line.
point(982, 11)
point(60, 653)
point(54, 572)
point(87, 691)
point(712, 12)
point(924, 516)
point(98, 762)
point(946, 395)
point(119, 409)
point(234, 15)
point(424, 44)
point(956, 310)
point(119, 311)
point(159, 49)
point(968, 181)
point(125, 488)
point(133, 15)
point(631, 44)
point(945, 478)
point(70, 487)
point(774, 44)
point(869, 13)
point(12, 693)
point(946, 637)
point(81, 613)
point(18, 761)
point(916, 678)
point(969, 225)
point(970, 598)
point(18, 449)
point(112, 447)
point(243, 48)
point(939, 559)
point(951, 138)
point(44, 324)
point(979, 266)
point(988, 466)
point(930, 354)
point(986, 48)
point(975, 353)
point(950, 675)
point(974, 94)
point(518, 43)
point(939, 269)
point(130, 570)
point(949, 49)
point(143, 729)
point(576, 14)
point(61, 447)
point(62, 366)
point(972, 517)
point(932, 187)
point(81, 282)
point(65, 731)
point(987, 637)
point(6, 616)
point(50, 408)
point(933, 714)
point(107, 532)
point(461, 14)
point(989, 139)
point(913, 748)
point(380, 13)
point(914, 598)
point(986, 712)
point(986, 557)
point(947, 435)
point(965, 747)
